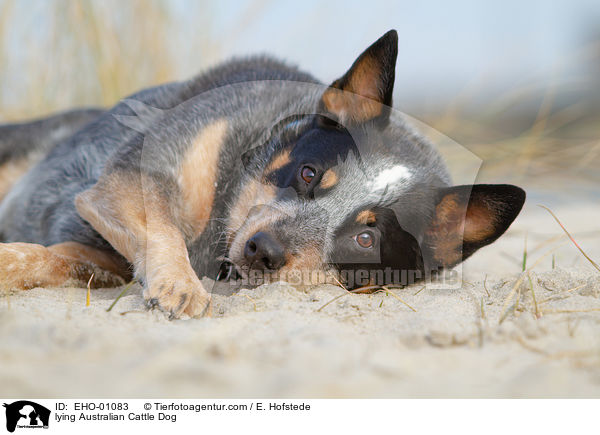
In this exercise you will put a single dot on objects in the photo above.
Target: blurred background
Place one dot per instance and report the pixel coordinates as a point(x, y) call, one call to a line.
point(516, 82)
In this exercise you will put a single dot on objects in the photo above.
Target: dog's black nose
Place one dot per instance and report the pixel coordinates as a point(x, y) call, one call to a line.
point(264, 252)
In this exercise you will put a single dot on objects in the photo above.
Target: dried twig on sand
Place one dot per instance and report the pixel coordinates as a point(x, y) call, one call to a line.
point(571, 237)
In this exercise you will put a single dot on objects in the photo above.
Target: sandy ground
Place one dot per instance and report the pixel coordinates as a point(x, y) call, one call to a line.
point(277, 341)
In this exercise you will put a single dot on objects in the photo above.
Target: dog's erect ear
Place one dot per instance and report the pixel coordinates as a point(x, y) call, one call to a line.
point(467, 218)
point(364, 93)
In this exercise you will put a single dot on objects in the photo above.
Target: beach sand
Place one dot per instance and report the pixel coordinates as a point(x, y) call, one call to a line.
point(276, 341)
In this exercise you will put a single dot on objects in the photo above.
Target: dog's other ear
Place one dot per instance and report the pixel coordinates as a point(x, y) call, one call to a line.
point(364, 93)
point(467, 218)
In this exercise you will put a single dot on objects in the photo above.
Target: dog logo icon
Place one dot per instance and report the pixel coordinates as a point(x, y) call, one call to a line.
point(26, 414)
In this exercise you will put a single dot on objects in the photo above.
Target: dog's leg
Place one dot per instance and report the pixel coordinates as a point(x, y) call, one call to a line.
point(132, 213)
point(27, 265)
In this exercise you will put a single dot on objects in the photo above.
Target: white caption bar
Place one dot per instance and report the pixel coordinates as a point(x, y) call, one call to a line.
point(265, 416)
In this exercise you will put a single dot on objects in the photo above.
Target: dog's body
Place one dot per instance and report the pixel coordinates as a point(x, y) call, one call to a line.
point(254, 163)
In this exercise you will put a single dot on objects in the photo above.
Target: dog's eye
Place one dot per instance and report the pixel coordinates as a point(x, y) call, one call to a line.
point(307, 173)
point(364, 240)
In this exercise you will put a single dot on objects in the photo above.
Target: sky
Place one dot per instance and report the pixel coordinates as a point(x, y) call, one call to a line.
point(448, 50)
point(445, 48)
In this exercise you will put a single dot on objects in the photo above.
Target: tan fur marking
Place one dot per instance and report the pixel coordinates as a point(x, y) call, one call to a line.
point(447, 251)
point(254, 193)
point(11, 171)
point(279, 161)
point(363, 81)
point(309, 259)
point(357, 101)
point(366, 217)
point(27, 265)
point(303, 269)
point(446, 231)
point(350, 107)
point(329, 179)
point(454, 225)
point(479, 225)
point(132, 215)
point(115, 208)
point(198, 175)
point(103, 259)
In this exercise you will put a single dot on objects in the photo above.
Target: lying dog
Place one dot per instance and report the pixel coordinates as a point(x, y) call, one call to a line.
point(252, 168)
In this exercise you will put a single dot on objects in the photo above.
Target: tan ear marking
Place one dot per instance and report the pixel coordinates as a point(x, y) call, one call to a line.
point(446, 230)
point(363, 81)
point(351, 107)
point(455, 225)
point(479, 224)
point(364, 92)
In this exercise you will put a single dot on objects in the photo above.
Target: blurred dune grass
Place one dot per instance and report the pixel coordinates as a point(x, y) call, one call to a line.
point(544, 135)
point(544, 149)
point(59, 54)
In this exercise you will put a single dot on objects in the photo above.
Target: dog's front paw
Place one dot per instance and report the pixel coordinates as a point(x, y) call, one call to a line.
point(177, 296)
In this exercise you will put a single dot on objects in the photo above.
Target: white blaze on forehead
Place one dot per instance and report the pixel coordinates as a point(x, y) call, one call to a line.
point(390, 176)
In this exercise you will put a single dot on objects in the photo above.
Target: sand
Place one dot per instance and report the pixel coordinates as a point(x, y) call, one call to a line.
point(276, 341)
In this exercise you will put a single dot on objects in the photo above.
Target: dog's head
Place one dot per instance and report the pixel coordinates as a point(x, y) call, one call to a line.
point(353, 193)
